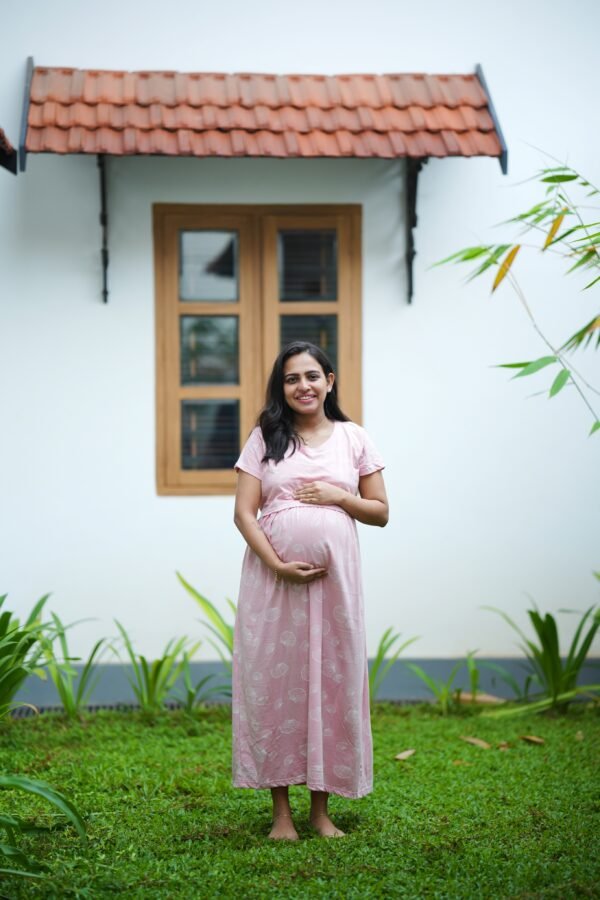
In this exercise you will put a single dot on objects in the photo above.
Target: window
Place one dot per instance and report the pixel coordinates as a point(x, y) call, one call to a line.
point(233, 284)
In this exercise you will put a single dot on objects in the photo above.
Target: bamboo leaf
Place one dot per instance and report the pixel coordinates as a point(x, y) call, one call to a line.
point(559, 382)
point(557, 179)
point(536, 365)
point(515, 365)
point(553, 230)
point(494, 255)
point(585, 259)
point(505, 267)
point(584, 334)
point(464, 255)
point(592, 238)
point(564, 235)
point(591, 283)
point(595, 427)
point(526, 215)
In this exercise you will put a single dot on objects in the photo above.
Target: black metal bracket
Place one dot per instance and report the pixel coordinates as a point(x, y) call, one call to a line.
point(25, 114)
point(104, 225)
point(494, 116)
point(412, 169)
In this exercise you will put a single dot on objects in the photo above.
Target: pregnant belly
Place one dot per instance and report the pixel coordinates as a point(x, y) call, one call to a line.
point(316, 535)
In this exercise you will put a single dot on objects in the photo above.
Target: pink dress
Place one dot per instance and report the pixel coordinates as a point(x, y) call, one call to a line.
point(300, 680)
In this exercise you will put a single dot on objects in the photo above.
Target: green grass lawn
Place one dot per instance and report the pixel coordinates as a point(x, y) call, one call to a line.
point(452, 821)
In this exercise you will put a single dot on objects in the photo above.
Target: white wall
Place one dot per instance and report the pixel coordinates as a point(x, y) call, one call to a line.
point(494, 496)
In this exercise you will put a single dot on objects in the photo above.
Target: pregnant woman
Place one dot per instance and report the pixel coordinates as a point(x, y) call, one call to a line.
point(300, 679)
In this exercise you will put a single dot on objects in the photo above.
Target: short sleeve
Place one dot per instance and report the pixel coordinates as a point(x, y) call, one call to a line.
point(250, 459)
point(370, 459)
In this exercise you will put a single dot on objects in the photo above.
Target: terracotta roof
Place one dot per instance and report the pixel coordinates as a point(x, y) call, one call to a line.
point(212, 114)
point(8, 154)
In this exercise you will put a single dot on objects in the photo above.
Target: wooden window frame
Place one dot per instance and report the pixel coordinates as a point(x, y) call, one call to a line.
point(259, 309)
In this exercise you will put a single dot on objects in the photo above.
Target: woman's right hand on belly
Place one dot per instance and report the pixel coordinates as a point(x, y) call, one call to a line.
point(299, 572)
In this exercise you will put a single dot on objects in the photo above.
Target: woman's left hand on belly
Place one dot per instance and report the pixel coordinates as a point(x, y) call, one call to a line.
point(320, 492)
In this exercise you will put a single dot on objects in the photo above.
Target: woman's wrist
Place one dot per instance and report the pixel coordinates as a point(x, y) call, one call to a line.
point(344, 495)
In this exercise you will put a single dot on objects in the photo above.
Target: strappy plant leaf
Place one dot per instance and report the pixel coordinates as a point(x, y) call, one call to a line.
point(382, 663)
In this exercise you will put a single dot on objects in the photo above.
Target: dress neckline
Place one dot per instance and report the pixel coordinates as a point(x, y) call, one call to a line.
point(304, 446)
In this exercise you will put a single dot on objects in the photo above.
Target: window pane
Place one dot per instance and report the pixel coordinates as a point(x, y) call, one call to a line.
point(319, 330)
point(208, 265)
point(210, 436)
point(209, 349)
point(307, 265)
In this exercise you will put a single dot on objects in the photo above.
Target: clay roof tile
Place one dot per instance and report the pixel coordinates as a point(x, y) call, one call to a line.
point(247, 114)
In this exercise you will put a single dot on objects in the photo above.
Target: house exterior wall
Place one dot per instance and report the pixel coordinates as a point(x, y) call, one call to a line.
point(494, 495)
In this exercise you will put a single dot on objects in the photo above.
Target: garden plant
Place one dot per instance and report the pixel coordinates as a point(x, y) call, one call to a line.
point(559, 218)
point(73, 688)
point(382, 663)
point(152, 681)
point(554, 677)
point(221, 629)
point(20, 650)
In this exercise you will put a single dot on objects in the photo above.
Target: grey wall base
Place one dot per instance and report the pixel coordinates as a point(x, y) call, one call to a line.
point(113, 687)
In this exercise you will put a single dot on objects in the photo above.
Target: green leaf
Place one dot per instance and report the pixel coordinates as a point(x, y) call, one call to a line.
point(536, 365)
point(584, 260)
point(222, 628)
point(541, 705)
point(435, 687)
point(595, 427)
point(516, 365)
point(15, 855)
point(591, 238)
point(464, 255)
point(556, 179)
point(47, 792)
point(559, 382)
point(494, 255)
point(594, 280)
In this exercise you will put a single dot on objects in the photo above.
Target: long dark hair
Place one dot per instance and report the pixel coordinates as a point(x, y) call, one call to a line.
point(276, 420)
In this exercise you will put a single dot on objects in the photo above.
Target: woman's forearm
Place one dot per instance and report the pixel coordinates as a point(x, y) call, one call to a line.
point(257, 540)
point(369, 512)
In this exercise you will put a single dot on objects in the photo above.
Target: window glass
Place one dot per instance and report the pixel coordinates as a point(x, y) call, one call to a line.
point(307, 265)
point(319, 330)
point(209, 350)
point(210, 436)
point(208, 265)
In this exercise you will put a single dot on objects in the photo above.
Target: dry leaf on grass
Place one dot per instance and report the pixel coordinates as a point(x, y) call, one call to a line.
point(405, 754)
point(461, 762)
point(503, 745)
point(477, 742)
point(532, 739)
point(479, 697)
point(579, 736)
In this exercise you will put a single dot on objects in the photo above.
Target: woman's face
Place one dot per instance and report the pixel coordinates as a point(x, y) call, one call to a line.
point(305, 385)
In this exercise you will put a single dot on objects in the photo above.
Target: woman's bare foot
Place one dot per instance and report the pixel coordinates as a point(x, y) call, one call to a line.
point(283, 828)
point(324, 826)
